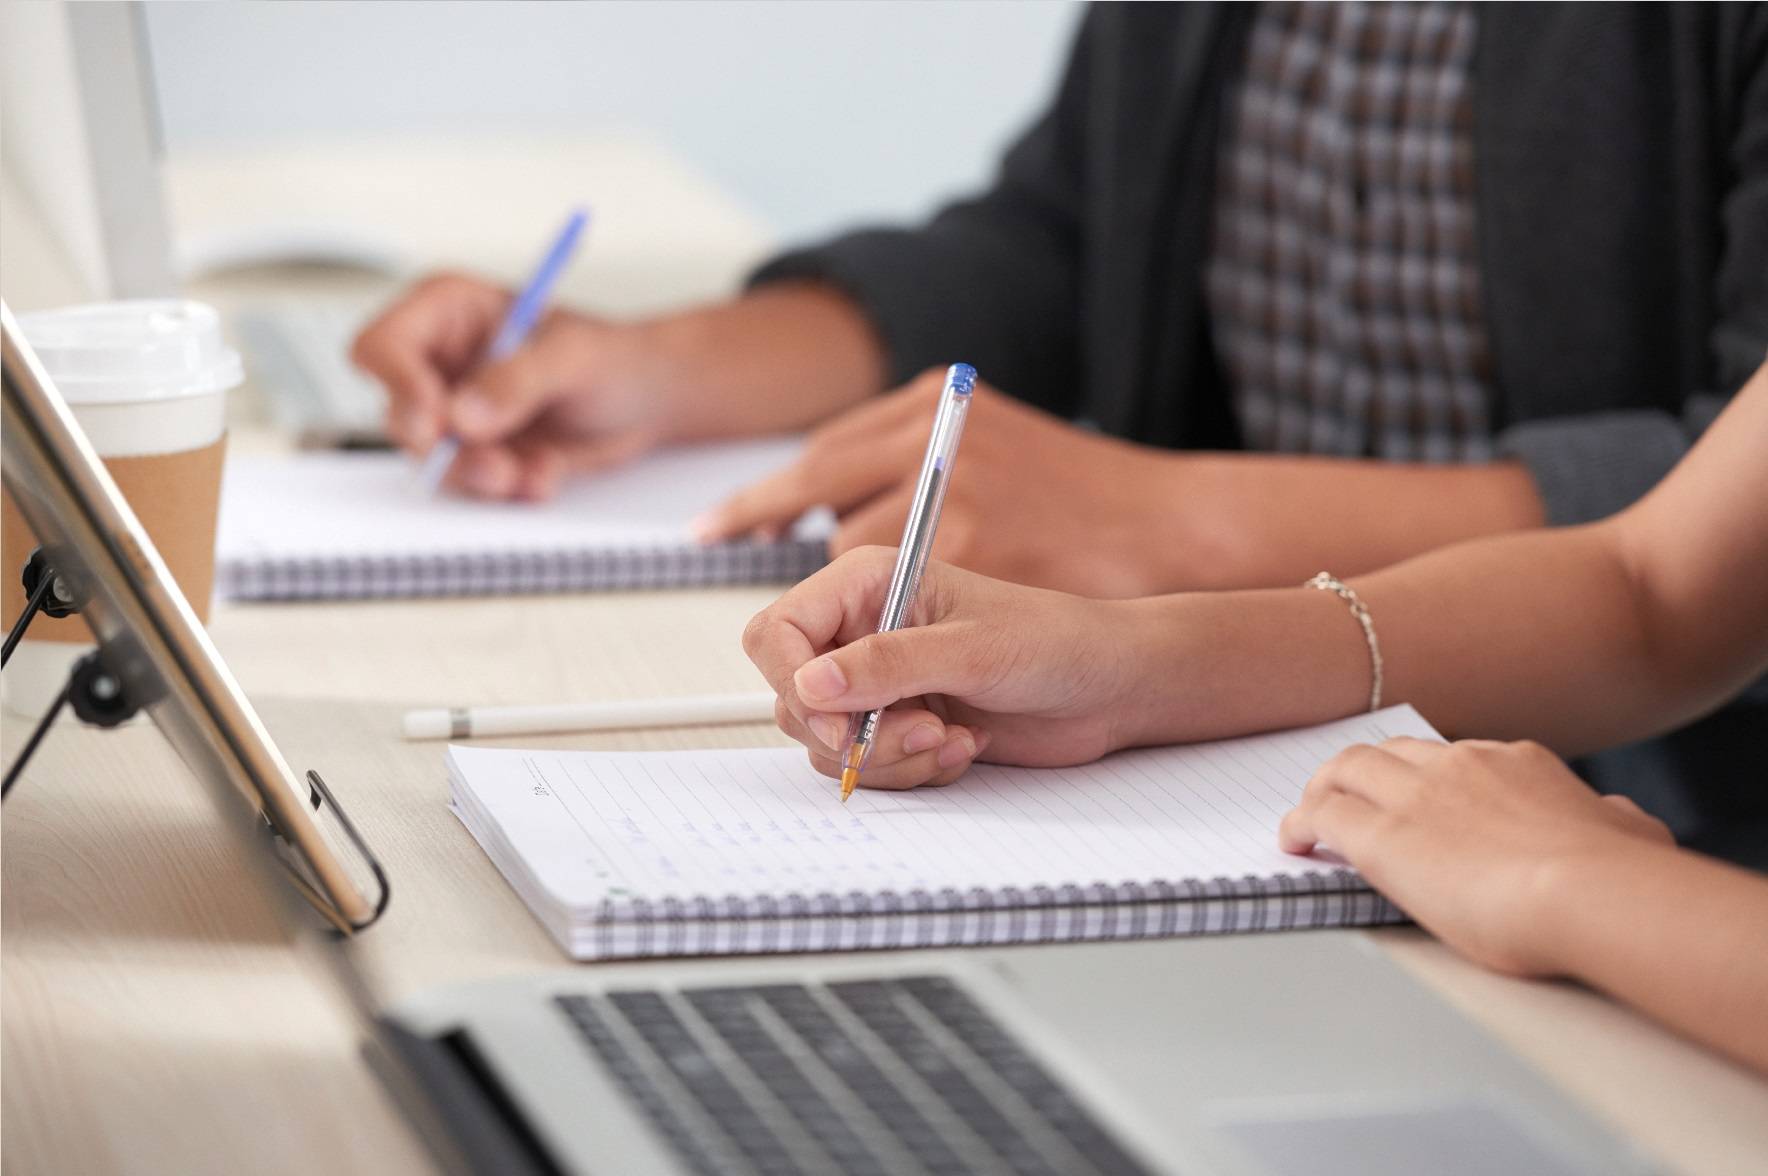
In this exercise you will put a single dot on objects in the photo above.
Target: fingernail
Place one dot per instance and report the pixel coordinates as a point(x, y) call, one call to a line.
point(924, 737)
point(959, 749)
point(473, 411)
point(828, 730)
point(821, 678)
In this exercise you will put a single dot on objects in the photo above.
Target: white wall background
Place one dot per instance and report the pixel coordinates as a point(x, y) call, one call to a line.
point(813, 115)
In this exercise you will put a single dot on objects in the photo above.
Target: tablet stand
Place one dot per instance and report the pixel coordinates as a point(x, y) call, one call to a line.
point(103, 688)
point(108, 686)
point(46, 591)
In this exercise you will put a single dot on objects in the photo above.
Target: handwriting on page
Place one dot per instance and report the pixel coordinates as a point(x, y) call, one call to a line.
point(760, 822)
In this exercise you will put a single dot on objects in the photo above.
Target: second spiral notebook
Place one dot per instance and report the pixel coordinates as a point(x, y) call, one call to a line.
point(623, 854)
point(339, 525)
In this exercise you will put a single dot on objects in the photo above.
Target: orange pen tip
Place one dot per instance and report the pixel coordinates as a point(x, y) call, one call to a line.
point(849, 778)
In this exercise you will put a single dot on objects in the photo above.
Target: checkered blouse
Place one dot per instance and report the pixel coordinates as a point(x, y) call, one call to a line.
point(1343, 283)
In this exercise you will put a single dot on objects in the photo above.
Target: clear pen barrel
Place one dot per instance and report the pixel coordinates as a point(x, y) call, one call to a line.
point(923, 521)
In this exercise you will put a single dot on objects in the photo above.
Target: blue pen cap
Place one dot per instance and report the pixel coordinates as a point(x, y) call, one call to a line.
point(961, 378)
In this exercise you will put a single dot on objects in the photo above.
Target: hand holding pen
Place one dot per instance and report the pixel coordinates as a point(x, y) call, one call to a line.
point(523, 314)
point(985, 669)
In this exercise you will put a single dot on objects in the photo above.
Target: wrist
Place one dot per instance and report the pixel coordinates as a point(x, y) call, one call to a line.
point(1148, 636)
point(1200, 514)
point(778, 358)
point(1211, 665)
point(1555, 900)
point(1144, 525)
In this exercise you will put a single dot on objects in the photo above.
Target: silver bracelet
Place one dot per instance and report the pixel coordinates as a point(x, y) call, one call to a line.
point(1330, 583)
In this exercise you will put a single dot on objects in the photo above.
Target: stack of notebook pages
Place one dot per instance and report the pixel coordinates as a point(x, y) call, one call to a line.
point(628, 854)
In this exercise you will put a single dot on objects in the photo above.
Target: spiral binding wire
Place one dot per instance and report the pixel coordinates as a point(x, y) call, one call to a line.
point(796, 922)
point(517, 572)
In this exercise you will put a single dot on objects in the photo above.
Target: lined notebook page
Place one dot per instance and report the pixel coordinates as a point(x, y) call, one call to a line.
point(652, 825)
point(319, 505)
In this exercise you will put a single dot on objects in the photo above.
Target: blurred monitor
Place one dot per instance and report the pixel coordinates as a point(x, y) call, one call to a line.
point(85, 214)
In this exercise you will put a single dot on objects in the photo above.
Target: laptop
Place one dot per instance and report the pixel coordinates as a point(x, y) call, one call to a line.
point(1241, 1055)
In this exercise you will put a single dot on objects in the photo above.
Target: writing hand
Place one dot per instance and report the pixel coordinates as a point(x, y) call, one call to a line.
point(988, 669)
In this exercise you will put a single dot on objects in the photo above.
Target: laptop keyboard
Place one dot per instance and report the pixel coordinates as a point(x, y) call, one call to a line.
point(865, 1077)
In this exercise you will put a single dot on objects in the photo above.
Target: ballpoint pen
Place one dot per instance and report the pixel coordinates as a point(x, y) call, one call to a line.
point(523, 314)
point(917, 542)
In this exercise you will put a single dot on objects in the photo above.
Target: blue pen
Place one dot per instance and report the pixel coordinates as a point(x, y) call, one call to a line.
point(524, 313)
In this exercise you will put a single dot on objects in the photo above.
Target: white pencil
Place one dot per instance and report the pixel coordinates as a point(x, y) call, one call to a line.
point(467, 722)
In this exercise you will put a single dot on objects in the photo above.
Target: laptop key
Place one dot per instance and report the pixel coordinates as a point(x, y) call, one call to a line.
point(638, 1086)
point(983, 1035)
point(874, 1002)
point(799, 1009)
point(728, 1012)
point(663, 1031)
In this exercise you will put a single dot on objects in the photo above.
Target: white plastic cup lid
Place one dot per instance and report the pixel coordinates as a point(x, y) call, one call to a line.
point(147, 349)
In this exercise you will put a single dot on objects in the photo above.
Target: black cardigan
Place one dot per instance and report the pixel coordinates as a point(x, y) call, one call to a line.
point(1621, 171)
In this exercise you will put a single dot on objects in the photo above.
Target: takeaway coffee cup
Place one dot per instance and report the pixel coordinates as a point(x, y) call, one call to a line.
point(147, 382)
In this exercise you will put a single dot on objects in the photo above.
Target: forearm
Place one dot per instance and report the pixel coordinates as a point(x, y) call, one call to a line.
point(1578, 637)
point(1275, 520)
point(779, 359)
point(1538, 635)
point(1681, 937)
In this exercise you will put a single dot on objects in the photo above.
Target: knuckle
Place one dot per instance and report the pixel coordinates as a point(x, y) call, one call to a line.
point(866, 557)
point(755, 632)
point(843, 542)
point(363, 346)
point(805, 476)
point(1324, 780)
point(509, 375)
point(1534, 752)
point(1353, 759)
point(824, 436)
point(1385, 822)
point(447, 281)
point(1464, 752)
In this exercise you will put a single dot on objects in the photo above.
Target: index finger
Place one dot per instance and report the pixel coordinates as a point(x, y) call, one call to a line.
point(838, 603)
point(420, 343)
point(1413, 749)
point(840, 477)
point(1379, 775)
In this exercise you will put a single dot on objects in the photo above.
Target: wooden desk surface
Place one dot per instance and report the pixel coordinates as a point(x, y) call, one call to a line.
point(156, 1019)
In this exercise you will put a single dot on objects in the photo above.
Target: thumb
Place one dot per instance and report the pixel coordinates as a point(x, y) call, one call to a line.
point(877, 670)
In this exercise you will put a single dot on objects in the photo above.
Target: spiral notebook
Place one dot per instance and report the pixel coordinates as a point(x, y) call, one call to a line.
point(337, 525)
point(623, 854)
